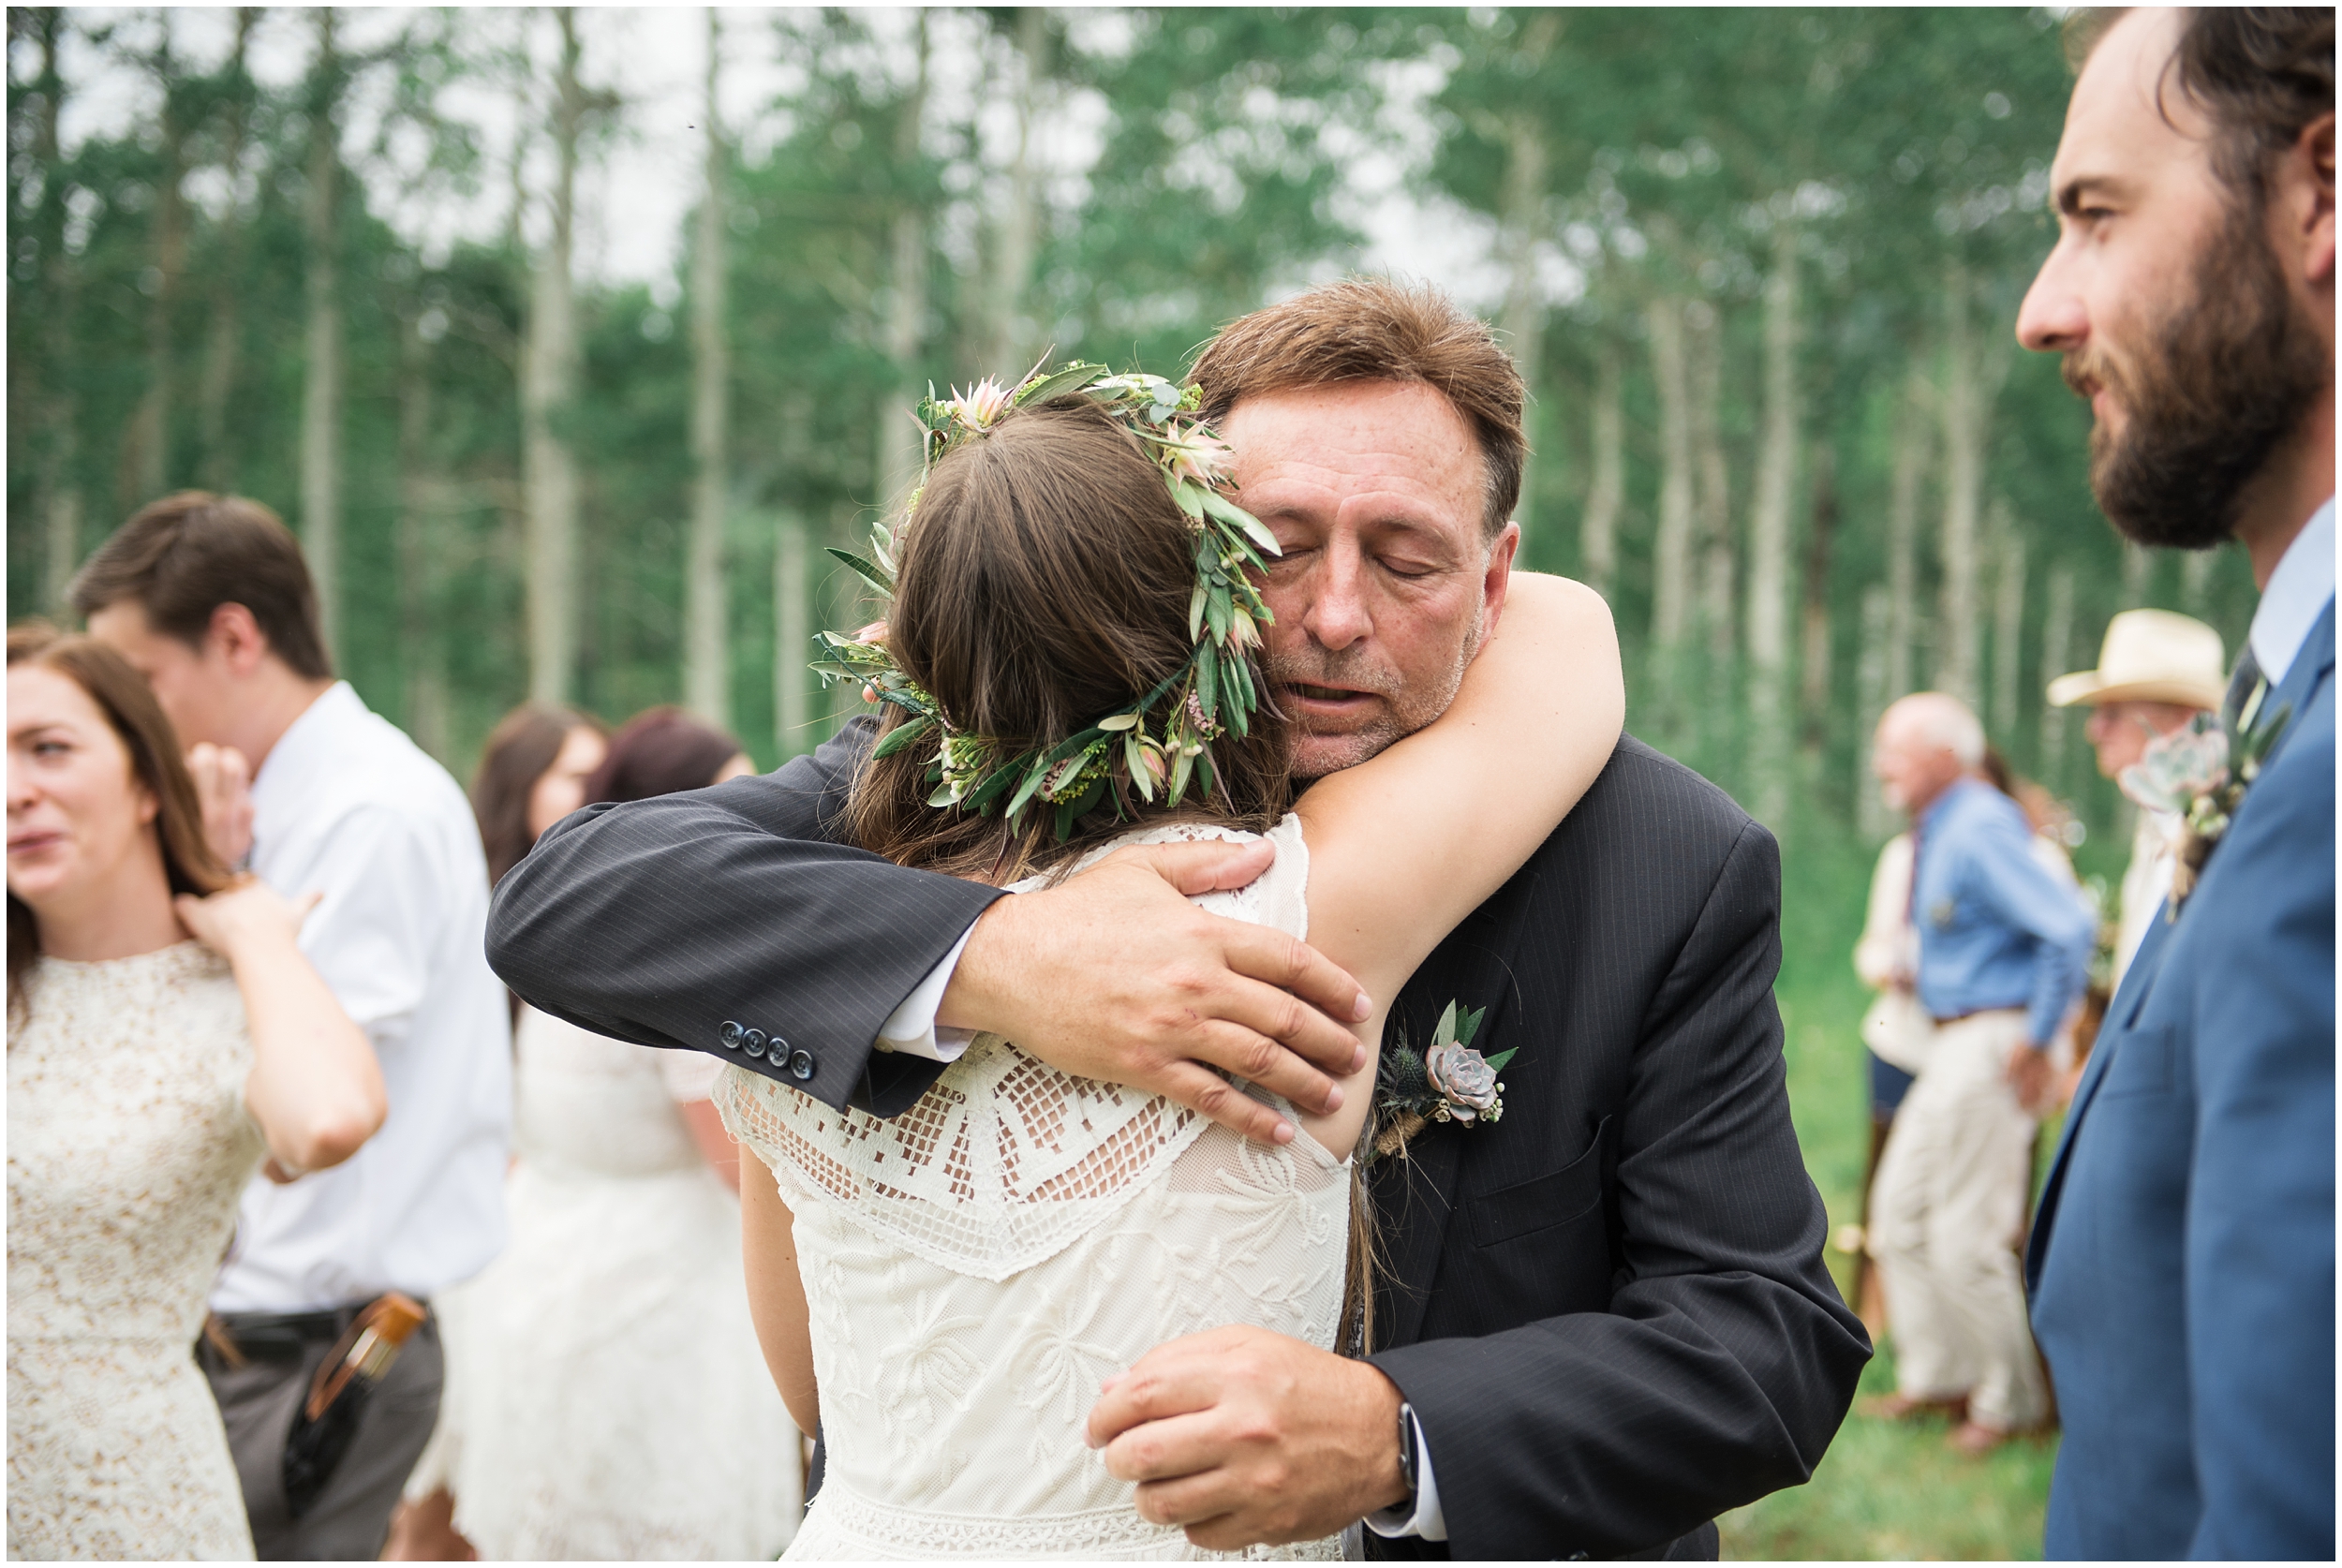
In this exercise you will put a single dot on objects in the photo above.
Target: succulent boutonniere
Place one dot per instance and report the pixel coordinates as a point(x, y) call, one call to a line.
point(2201, 772)
point(1449, 1082)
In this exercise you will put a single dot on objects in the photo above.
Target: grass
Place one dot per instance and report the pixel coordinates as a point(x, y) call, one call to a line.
point(1885, 1490)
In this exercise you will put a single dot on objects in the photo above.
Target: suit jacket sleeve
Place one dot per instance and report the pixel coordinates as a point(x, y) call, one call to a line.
point(1726, 1361)
point(660, 920)
point(2259, 1258)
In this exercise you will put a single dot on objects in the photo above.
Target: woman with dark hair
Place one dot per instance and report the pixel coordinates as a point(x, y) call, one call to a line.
point(149, 1077)
point(1069, 667)
point(532, 774)
point(605, 1396)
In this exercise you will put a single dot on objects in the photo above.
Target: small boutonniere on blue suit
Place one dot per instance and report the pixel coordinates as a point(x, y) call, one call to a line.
point(2201, 772)
point(1449, 1082)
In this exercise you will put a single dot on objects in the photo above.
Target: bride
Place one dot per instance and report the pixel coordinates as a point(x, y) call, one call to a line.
point(1068, 668)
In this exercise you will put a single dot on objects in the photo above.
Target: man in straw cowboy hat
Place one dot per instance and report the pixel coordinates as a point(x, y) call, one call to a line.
point(2156, 672)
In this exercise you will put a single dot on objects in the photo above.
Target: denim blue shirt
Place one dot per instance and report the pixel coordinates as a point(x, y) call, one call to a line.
point(1997, 929)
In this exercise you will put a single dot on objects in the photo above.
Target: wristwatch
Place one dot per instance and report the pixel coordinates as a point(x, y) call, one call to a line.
point(1406, 1452)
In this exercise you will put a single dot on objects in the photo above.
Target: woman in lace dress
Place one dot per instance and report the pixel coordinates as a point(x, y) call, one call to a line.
point(149, 1076)
point(606, 1400)
point(945, 1291)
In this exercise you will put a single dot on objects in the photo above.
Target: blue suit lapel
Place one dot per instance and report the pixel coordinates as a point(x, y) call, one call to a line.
point(2311, 665)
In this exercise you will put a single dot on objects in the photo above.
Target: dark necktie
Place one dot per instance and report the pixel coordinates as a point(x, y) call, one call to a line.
point(2244, 690)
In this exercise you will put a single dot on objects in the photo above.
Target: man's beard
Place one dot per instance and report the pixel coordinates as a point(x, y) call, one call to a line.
point(1404, 709)
point(2225, 377)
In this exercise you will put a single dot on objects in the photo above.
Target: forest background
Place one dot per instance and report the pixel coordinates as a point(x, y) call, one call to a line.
point(566, 380)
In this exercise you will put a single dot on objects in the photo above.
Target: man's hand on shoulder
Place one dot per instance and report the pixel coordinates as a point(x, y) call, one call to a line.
point(1115, 975)
point(1244, 1437)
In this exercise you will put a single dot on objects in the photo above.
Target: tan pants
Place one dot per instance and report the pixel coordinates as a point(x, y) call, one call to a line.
point(1945, 1218)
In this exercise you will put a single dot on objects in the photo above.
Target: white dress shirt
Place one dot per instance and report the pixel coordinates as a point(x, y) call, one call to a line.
point(2146, 883)
point(2298, 592)
point(346, 806)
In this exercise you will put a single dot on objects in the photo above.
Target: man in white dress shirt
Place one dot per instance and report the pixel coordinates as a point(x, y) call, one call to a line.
point(209, 597)
point(2156, 671)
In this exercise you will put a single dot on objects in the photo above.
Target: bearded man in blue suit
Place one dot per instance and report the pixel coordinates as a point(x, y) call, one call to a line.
point(2182, 1265)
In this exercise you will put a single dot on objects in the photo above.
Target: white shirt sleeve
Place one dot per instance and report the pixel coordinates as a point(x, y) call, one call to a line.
point(372, 933)
point(1428, 1520)
point(911, 1029)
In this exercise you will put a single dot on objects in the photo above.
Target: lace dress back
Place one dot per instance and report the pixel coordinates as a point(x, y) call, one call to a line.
point(977, 1266)
point(128, 1146)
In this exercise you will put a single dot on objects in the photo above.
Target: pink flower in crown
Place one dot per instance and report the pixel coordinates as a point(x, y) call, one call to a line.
point(981, 404)
point(1195, 454)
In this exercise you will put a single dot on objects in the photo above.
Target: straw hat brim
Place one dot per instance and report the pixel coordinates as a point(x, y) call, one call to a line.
point(2087, 687)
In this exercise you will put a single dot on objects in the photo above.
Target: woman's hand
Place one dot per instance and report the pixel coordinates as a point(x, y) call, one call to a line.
point(223, 783)
point(245, 919)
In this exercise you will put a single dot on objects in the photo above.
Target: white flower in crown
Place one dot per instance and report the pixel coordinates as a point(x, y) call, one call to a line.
point(981, 404)
point(2176, 770)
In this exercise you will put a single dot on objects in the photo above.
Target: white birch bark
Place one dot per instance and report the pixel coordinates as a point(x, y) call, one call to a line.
point(1009, 350)
point(221, 347)
point(1597, 527)
point(548, 381)
point(1715, 567)
point(1903, 534)
point(417, 540)
point(1768, 538)
point(2138, 571)
point(708, 643)
point(150, 430)
point(1871, 695)
point(901, 447)
point(1973, 371)
point(2007, 618)
point(2057, 630)
point(321, 375)
point(2195, 579)
point(1671, 546)
point(793, 639)
point(60, 488)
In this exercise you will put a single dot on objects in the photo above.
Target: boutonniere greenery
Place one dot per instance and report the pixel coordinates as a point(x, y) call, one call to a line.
point(2201, 772)
point(1448, 1082)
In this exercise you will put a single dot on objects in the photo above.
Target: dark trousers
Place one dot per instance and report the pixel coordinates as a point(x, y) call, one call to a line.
point(351, 1516)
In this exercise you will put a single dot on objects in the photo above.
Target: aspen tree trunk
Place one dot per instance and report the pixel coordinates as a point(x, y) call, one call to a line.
point(792, 639)
point(901, 449)
point(227, 325)
point(1671, 547)
point(1972, 374)
point(548, 381)
point(2057, 630)
point(1597, 529)
point(1524, 304)
point(2007, 618)
point(1871, 695)
point(1813, 651)
point(1712, 507)
point(1902, 534)
point(60, 485)
point(417, 531)
point(1008, 353)
point(2138, 571)
point(321, 375)
point(707, 643)
point(153, 427)
point(1769, 537)
point(2195, 579)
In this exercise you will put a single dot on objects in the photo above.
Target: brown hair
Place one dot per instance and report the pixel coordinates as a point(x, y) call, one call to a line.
point(520, 749)
point(1372, 329)
point(657, 752)
point(2261, 73)
point(1044, 584)
point(131, 710)
point(183, 557)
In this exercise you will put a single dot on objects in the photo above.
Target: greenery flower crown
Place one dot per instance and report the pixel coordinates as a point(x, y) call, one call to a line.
point(1164, 740)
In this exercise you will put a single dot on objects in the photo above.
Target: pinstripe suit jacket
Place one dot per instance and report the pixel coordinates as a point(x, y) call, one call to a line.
point(1608, 1310)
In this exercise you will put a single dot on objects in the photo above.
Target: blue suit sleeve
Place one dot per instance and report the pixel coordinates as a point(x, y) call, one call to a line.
point(2260, 1257)
point(2022, 892)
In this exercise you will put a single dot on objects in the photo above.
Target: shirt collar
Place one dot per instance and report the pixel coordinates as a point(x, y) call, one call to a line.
point(1941, 805)
point(2296, 595)
point(307, 742)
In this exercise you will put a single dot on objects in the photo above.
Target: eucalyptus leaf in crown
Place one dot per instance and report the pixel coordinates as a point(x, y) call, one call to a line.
point(1162, 742)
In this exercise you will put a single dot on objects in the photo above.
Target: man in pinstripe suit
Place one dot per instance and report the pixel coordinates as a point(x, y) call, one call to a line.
point(1603, 1322)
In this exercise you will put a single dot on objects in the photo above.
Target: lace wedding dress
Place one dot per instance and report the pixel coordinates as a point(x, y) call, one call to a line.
point(128, 1146)
point(976, 1266)
point(605, 1397)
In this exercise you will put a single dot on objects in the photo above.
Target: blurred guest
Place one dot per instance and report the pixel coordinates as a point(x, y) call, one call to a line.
point(2156, 671)
point(532, 774)
point(149, 1078)
point(209, 599)
point(608, 1398)
point(2182, 1265)
point(2002, 948)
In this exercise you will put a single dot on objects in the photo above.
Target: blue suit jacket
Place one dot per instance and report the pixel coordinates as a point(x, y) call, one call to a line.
point(2182, 1265)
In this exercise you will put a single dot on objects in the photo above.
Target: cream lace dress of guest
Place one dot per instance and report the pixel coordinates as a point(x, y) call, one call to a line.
point(605, 1396)
point(128, 1146)
point(976, 1266)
